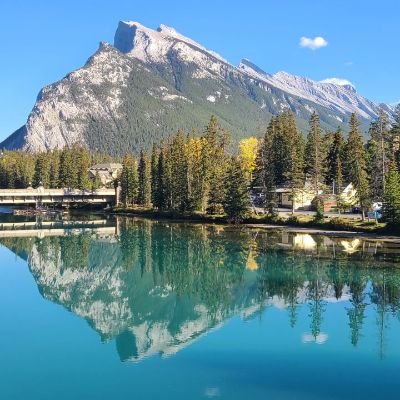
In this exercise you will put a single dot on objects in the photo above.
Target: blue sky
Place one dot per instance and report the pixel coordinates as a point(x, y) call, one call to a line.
point(41, 41)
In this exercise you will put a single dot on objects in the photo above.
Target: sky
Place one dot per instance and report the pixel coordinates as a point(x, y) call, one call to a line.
point(356, 40)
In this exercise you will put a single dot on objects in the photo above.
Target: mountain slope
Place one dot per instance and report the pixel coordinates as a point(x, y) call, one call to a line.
point(153, 82)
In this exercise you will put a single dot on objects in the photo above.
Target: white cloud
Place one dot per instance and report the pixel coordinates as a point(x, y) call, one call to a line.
point(313, 43)
point(339, 82)
point(348, 63)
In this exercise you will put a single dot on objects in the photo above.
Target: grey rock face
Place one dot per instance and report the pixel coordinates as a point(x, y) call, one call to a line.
point(153, 82)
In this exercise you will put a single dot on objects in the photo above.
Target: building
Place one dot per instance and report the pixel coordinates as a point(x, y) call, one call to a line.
point(306, 198)
point(301, 199)
point(347, 198)
point(107, 173)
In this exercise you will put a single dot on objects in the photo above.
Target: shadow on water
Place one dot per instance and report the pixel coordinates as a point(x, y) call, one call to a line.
point(157, 287)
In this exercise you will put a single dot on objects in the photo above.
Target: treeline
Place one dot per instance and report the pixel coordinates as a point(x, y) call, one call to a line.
point(188, 174)
point(67, 168)
point(191, 173)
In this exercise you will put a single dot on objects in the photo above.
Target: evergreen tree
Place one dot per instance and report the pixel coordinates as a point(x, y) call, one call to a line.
point(179, 172)
point(55, 169)
point(68, 169)
point(97, 183)
point(42, 170)
point(83, 160)
point(334, 163)
point(236, 202)
point(197, 180)
point(281, 149)
point(380, 153)
point(294, 176)
point(216, 141)
point(144, 172)
point(391, 199)
point(395, 134)
point(264, 174)
point(129, 181)
point(374, 164)
point(314, 153)
point(160, 195)
point(154, 173)
point(356, 164)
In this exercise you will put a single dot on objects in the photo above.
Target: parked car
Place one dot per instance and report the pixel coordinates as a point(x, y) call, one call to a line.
point(375, 214)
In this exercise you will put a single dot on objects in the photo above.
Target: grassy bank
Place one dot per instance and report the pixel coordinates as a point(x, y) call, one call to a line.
point(301, 221)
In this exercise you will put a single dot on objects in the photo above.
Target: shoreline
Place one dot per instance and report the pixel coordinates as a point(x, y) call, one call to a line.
point(324, 229)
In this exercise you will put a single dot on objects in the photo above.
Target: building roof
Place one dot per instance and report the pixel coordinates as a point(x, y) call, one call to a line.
point(107, 166)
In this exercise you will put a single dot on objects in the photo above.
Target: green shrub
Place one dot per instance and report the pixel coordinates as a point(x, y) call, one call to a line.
point(293, 220)
point(338, 223)
point(318, 217)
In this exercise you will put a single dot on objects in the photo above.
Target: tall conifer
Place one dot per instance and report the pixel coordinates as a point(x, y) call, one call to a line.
point(356, 163)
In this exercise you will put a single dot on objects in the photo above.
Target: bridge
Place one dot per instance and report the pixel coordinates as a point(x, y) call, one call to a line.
point(57, 228)
point(61, 197)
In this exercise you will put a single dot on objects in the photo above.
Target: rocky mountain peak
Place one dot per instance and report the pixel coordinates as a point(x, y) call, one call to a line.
point(251, 68)
point(344, 83)
point(155, 81)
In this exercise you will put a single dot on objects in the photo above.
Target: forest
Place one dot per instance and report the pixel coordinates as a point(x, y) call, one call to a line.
point(208, 174)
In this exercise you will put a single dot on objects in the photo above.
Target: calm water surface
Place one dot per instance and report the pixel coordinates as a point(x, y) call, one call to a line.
point(140, 309)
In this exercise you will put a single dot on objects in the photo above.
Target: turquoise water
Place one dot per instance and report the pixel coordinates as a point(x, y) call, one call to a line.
point(142, 309)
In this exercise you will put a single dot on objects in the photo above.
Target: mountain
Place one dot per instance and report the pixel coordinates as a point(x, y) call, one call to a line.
point(151, 83)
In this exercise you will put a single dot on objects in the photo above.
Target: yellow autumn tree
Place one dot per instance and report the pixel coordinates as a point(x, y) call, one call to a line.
point(247, 155)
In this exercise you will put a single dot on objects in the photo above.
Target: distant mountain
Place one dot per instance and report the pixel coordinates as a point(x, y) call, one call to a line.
point(153, 82)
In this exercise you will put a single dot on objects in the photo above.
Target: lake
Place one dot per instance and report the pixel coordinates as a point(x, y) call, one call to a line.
point(142, 309)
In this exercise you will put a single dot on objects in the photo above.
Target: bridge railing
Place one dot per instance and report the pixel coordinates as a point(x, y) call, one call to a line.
point(55, 192)
point(57, 196)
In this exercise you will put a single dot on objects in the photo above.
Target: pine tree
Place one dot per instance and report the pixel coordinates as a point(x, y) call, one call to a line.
point(374, 164)
point(68, 169)
point(97, 183)
point(83, 160)
point(129, 181)
point(216, 141)
point(294, 176)
point(144, 172)
point(356, 168)
point(314, 153)
point(395, 134)
point(334, 163)
point(391, 199)
point(55, 169)
point(154, 173)
point(179, 172)
point(264, 174)
point(197, 180)
point(42, 170)
point(236, 203)
point(160, 196)
point(281, 149)
point(380, 152)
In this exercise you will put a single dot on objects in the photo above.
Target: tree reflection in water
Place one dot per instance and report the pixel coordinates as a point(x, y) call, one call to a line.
point(156, 287)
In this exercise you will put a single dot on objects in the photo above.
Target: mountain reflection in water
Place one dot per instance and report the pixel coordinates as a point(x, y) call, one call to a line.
point(155, 287)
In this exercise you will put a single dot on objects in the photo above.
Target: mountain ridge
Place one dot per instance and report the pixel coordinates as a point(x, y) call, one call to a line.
point(152, 82)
